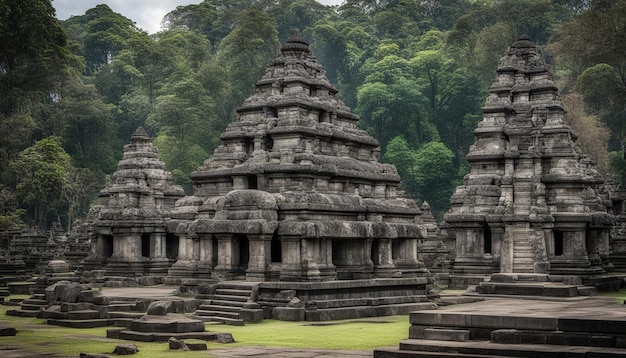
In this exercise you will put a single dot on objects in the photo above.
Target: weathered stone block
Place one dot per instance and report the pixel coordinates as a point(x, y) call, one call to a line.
point(224, 338)
point(7, 330)
point(160, 308)
point(441, 334)
point(288, 314)
point(93, 355)
point(126, 349)
point(506, 336)
point(177, 344)
point(251, 315)
point(417, 332)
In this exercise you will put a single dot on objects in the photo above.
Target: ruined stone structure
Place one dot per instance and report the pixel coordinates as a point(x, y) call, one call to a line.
point(618, 234)
point(296, 192)
point(533, 203)
point(130, 237)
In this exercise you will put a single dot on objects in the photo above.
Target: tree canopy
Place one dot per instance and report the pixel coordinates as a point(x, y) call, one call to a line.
point(416, 72)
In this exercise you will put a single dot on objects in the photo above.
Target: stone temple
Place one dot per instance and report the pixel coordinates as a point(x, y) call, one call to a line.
point(296, 191)
point(294, 197)
point(130, 226)
point(533, 204)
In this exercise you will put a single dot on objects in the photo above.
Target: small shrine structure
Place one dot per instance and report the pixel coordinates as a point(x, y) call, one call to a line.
point(130, 238)
point(532, 203)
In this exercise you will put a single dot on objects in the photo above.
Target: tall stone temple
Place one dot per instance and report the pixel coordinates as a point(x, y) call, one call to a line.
point(295, 197)
point(532, 204)
point(296, 192)
point(130, 219)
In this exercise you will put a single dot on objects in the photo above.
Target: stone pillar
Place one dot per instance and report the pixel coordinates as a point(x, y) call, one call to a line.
point(158, 257)
point(291, 268)
point(186, 265)
point(260, 257)
point(506, 252)
point(126, 260)
point(96, 258)
point(383, 262)
point(326, 266)
point(310, 257)
point(406, 259)
point(227, 256)
point(205, 252)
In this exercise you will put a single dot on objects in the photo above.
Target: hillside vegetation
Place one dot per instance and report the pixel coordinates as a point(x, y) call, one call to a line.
point(415, 71)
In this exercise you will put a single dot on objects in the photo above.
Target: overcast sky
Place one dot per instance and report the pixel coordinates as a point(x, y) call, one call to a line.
point(147, 14)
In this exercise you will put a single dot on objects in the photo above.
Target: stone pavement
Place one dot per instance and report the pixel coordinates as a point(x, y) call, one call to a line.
point(594, 306)
point(254, 352)
point(580, 307)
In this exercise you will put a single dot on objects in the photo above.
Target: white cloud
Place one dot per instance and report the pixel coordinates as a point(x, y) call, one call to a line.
point(147, 14)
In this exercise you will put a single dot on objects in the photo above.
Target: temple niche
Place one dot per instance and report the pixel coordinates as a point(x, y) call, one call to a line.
point(533, 205)
point(295, 192)
point(130, 241)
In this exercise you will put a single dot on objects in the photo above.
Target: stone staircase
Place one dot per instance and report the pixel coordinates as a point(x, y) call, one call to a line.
point(31, 307)
point(526, 284)
point(226, 303)
point(523, 255)
point(485, 334)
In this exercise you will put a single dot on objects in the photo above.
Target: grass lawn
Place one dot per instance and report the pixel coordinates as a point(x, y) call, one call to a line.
point(364, 334)
point(619, 295)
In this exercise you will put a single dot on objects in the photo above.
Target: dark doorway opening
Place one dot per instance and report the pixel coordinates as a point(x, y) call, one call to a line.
point(145, 245)
point(107, 246)
point(558, 243)
point(276, 249)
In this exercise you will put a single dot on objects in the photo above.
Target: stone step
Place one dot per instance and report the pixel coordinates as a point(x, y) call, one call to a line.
point(233, 292)
point(23, 313)
point(514, 336)
point(122, 307)
point(396, 353)
point(83, 315)
point(31, 307)
point(36, 302)
point(206, 313)
point(80, 323)
point(230, 298)
point(39, 296)
point(368, 301)
point(124, 314)
point(158, 336)
point(236, 305)
point(524, 254)
point(442, 334)
point(221, 320)
point(214, 307)
point(330, 314)
point(487, 349)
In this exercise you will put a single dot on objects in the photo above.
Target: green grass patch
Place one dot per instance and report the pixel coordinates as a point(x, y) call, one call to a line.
point(362, 334)
point(619, 295)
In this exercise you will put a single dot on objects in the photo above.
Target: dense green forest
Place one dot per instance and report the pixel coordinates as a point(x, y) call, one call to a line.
point(416, 72)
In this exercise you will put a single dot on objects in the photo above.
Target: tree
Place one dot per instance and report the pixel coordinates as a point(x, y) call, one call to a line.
point(107, 34)
point(80, 188)
point(247, 49)
point(10, 213)
point(592, 49)
point(593, 136)
point(34, 59)
point(404, 158)
point(436, 175)
point(43, 173)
